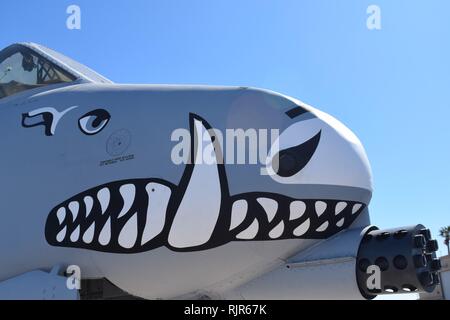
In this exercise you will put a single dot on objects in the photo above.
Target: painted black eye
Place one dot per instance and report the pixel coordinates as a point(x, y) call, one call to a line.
point(94, 122)
point(293, 160)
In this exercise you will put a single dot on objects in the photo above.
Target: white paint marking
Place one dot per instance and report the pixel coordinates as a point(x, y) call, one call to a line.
point(302, 229)
point(103, 197)
point(61, 214)
point(238, 213)
point(75, 235)
point(74, 207)
point(158, 200)
point(270, 207)
point(89, 234)
point(320, 207)
point(61, 235)
point(340, 206)
point(277, 231)
point(89, 203)
point(128, 193)
point(128, 234)
point(55, 113)
point(198, 212)
point(250, 232)
point(297, 210)
point(105, 234)
point(323, 227)
point(356, 208)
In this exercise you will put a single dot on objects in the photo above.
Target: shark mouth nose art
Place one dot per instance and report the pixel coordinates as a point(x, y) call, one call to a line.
point(139, 215)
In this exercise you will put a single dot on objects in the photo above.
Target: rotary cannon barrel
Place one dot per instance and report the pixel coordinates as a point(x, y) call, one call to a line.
point(406, 258)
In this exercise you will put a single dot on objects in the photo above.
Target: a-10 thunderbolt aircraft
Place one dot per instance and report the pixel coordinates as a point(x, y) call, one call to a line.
point(100, 197)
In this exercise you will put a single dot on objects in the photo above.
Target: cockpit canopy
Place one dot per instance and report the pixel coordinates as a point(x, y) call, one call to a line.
point(22, 69)
point(29, 66)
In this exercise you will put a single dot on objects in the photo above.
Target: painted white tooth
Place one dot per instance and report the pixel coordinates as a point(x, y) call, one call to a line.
point(277, 231)
point(238, 213)
point(323, 227)
point(270, 207)
point(105, 234)
point(158, 200)
point(197, 215)
point(61, 214)
point(302, 229)
point(250, 232)
point(74, 207)
point(320, 207)
point(297, 210)
point(340, 223)
point(128, 234)
point(89, 234)
point(75, 235)
point(61, 235)
point(340, 206)
point(103, 197)
point(89, 203)
point(128, 193)
point(356, 208)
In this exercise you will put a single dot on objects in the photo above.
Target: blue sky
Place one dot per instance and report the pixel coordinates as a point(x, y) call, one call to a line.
point(390, 86)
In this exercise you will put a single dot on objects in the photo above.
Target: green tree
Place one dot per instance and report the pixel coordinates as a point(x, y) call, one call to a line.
point(445, 233)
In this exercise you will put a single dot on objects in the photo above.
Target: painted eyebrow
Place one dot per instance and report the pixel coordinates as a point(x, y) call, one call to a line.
point(296, 112)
